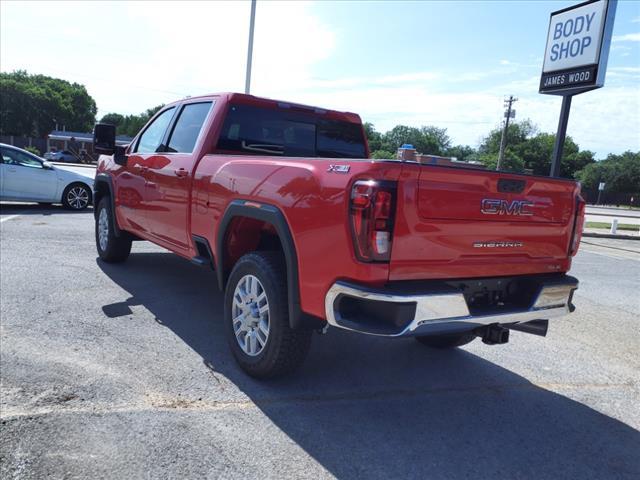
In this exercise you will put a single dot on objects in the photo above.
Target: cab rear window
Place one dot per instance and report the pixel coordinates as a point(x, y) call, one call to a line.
point(262, 131)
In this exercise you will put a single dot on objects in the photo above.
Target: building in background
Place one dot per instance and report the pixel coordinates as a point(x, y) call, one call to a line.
point(78, 143)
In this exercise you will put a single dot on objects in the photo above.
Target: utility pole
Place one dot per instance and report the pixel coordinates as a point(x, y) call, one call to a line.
point(247, 83)
point(508, 115)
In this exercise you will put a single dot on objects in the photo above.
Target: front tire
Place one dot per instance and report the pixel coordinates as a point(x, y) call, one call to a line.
point(451, 340)
point(256, 317)
point(76, 196)
point(110, 248)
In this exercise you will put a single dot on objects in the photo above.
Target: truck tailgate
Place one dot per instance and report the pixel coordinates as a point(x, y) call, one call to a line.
point(460, 223)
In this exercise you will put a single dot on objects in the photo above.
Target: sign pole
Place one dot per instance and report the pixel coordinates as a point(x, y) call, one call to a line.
point(558, 146)
point(575, 59)
point(600, 189)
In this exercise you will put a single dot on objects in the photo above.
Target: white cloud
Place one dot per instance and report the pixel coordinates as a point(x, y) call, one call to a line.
point(619, 47)
point(605, 120)
point(625, 69)
point(627, 37)
point(406, 78)
point(128, 74)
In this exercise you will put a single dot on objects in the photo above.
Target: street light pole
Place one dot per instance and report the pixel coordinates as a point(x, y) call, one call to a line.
point(247, 84)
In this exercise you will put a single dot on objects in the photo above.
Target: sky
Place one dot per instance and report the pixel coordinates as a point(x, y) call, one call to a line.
point(448, 64)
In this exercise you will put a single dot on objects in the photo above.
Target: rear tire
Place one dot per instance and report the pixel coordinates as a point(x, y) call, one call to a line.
point(451, 340)
point(260, 338)
point(110, 248)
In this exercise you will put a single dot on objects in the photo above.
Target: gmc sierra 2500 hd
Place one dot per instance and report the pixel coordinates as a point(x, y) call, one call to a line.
point(304, 231)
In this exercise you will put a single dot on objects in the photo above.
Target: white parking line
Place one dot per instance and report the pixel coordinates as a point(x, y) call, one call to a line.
point(4, 219)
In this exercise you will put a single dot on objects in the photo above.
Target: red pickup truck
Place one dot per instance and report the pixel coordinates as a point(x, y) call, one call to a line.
point(305, 231)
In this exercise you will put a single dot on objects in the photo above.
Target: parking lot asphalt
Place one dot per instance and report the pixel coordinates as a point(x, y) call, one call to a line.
point(122, 371)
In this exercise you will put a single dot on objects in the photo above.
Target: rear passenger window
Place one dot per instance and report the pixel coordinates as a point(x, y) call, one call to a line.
point(340, 140)
point(187, 128)
point(152, 137)
point(271, 131)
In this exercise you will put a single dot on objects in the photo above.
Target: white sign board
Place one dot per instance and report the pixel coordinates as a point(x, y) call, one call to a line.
point(574, 37)
point(601, 186)
point(577, 49)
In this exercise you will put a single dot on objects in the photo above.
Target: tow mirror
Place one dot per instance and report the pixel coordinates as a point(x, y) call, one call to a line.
point(104, 138)
point(104, 142)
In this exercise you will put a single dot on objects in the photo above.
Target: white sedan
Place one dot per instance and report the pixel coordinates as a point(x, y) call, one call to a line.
point(25, 177)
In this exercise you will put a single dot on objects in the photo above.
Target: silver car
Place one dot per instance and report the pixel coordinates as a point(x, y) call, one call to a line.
point(61, 156)
point(25, 177)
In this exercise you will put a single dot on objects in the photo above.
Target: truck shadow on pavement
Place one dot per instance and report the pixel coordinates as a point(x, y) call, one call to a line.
point(374, 408)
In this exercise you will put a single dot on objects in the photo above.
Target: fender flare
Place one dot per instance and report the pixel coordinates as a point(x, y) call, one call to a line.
point(274, 216)
point(104, 179)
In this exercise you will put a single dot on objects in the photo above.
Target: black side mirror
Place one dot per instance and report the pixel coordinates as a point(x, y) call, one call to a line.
point(104, 138)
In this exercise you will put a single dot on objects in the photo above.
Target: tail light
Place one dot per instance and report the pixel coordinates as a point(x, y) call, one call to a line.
point(578, 225)
point(372, 215)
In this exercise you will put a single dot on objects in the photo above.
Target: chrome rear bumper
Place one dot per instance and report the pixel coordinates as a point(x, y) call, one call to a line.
point(438, 312)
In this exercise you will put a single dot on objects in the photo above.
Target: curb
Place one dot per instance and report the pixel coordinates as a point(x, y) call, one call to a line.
point(612, 207)
point(614, 215)
point(609, 235)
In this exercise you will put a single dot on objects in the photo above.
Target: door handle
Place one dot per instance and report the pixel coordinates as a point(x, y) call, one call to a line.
point(181, 172)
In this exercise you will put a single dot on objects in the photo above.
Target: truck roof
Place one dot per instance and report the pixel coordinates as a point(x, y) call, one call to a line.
point(242, 98)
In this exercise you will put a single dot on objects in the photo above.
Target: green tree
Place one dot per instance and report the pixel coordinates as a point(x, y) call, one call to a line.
point(464, 153)
point(32, 105)
point(426, 139)
point(621, 173)
point(527, 149)
point(113, 119)
point(434, 140)
point(383, 154)
point(33, 150)
point(130, 125)
point(374, 138)
point(517, 135)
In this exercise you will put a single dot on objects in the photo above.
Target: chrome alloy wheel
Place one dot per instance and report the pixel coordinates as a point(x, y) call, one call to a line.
point(250, 314)
point(78, 198)
point(103, 229)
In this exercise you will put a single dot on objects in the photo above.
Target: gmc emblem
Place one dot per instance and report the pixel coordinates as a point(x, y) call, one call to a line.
point(492, 206)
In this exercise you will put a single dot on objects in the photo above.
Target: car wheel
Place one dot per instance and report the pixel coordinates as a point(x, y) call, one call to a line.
point(256, 317)
point(446, 341)
point(110, 248)
point(76, 196)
